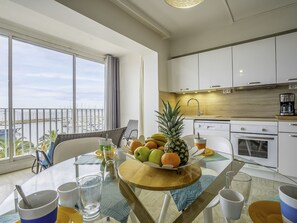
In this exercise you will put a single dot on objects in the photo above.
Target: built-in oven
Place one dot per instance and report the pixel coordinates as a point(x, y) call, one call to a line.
point(256, 141)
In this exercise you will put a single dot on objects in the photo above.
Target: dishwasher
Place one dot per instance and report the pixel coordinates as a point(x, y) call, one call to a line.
point(212, 128)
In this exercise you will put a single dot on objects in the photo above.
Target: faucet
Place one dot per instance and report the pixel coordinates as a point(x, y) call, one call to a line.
point(198, 106)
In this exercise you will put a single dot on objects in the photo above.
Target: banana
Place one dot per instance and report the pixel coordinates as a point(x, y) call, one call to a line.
point(150, 139)
point(160, 143)
point(159, 137)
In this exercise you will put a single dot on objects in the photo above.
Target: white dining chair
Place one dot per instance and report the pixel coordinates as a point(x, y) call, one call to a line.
point(74, 147)
point(217, 143)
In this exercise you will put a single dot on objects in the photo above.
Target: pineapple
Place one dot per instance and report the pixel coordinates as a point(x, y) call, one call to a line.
point(171, 125)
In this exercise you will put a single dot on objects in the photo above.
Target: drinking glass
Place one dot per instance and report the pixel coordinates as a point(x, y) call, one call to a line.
point(90, 195)
point(109, 152)
point(240, 182)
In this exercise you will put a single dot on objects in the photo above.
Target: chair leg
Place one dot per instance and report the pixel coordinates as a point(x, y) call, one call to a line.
point(207, 215)
point(32, 167)
point(164, 208)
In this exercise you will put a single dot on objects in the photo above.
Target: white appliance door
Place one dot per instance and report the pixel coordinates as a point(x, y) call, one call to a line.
point(257, 148)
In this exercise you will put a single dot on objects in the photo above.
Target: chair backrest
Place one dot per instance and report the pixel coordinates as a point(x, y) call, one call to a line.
point(115, 134)
point(217, 143)
point(75, 147)
point(132, 129)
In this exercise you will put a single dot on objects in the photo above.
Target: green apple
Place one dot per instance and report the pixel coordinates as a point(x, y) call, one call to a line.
point(155, 156)
point(142, 153)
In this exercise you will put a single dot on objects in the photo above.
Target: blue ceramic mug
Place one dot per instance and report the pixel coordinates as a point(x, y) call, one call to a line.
point(288, 202)
point(45, 207)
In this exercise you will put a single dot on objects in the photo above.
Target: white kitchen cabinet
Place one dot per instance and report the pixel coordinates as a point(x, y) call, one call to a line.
point(188, 127)
point(287, 148)
point(286, 58)
point(183, 74)
point(215, 69)
point(254, 63)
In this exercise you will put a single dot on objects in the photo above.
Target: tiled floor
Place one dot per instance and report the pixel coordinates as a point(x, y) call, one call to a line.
point(8, 181)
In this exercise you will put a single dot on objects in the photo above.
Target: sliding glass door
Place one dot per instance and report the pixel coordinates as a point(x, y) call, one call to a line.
point(44, 92)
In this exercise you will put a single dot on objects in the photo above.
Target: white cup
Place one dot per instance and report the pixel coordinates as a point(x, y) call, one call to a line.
point(68, 194)
point(44, 207)
point(231, 203)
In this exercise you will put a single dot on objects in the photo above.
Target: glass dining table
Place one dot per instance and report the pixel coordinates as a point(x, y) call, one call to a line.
point(120, 197)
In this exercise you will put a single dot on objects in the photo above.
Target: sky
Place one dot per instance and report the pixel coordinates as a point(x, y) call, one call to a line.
point(43, 78)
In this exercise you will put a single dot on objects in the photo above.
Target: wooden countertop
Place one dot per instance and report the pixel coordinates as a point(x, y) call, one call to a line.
point(239, 118)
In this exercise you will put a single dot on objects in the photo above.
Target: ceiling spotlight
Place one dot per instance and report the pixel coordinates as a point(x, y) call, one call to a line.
point(183, 4)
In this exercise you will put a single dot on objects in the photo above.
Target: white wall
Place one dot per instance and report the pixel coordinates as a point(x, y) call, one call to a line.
point(151, 94)
point(129, 84)
point(257, 26)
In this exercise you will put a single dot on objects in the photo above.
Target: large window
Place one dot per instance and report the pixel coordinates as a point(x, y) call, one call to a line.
point(89, 95)
point(42, 96)
point(4, 153)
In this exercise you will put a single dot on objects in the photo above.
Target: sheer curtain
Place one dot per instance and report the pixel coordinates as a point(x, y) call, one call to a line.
point(112, 93)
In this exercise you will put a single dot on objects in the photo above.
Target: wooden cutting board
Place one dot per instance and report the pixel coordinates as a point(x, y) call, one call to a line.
point(285, 117)
point(143, 176)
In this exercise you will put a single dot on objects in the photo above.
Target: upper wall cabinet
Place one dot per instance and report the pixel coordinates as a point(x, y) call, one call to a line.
point(215, 69)
point(254, 63)
point(183, 74)
point(286, 58)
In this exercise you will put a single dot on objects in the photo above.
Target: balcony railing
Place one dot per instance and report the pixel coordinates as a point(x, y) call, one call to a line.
point(31, 125)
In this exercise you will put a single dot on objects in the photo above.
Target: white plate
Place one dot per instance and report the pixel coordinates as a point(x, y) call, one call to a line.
point(193, 158)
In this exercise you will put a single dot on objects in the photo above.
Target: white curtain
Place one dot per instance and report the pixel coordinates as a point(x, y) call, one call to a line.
point(111, 93)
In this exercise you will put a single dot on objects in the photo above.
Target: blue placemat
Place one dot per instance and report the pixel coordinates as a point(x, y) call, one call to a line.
point(185, 196)
point(88, 160)
point(214, 157)
point(113, 203)
point(9, 218)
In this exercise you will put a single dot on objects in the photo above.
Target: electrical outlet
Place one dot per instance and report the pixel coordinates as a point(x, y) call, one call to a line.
point(227, 91)
point(292, 86)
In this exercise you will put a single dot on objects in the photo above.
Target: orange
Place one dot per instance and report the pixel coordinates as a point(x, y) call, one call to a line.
point(170, 159)
point(151, 145)
point(161, 148)
point(134, 145)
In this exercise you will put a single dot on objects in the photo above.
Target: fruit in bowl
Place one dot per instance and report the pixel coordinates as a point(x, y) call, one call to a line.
point(171, 159)
point(134, 145)
point(171, 126)
point(155, 156)
point(142, 153)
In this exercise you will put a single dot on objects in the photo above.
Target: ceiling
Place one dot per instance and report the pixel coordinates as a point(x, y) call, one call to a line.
point(174, 23)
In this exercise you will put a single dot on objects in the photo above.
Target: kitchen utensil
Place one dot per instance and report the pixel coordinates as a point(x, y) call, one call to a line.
point(22, 194)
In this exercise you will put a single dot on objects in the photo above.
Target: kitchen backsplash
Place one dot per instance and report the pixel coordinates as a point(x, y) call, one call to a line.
point(262, 102)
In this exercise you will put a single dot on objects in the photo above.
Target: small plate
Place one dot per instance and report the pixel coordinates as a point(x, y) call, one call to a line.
point(265, 212)
point(193, 158)
point(67, 215)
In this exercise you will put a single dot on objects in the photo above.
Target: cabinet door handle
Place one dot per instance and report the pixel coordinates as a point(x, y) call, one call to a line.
point(293, 124)
point(293, 136)
point(214, 86)
point(187, 88)
point(255, 82)
point(292, 79)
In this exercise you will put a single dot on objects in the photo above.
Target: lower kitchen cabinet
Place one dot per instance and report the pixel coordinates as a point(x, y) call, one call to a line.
point(287, 148)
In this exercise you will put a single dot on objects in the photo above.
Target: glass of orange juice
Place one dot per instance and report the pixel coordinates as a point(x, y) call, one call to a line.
point(200, 143)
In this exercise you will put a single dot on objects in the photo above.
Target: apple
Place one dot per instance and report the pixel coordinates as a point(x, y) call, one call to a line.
point(142, 153)
point(155, 156)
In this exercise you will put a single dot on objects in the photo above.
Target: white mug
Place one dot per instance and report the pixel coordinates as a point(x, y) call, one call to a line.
point(68, 194)
point(231, 203)
point(44, 207)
